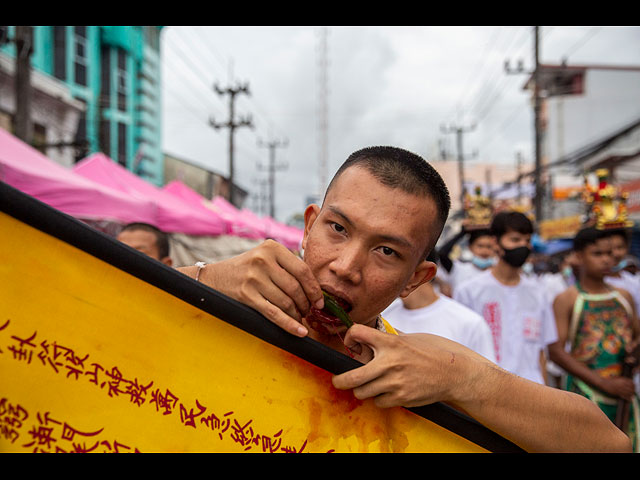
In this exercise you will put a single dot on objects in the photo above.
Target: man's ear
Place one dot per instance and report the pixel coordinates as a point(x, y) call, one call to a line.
point(167, 261)
point(424, 272)
point(310, 215)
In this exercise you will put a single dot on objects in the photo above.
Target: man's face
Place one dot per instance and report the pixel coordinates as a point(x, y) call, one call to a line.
point(618, 248)
point(367, 243)
point(597, 259)
point(144, 242)
point(484, 247)
point(513, 239)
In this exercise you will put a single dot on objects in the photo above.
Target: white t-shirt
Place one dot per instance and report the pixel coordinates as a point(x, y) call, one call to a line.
point(460, 272)
point(628, 282)
point(555, 283)
point(520, 318)
point(445, 318)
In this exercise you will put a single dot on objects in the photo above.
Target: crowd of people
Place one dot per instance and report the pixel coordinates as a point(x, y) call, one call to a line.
point(570, 322)
point(539, 357)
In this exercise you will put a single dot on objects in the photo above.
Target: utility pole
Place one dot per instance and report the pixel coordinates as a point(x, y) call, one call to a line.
point(24, 49)
point(232, 125)
point(459, 131)
point(323, 111)
point(537, 107)
point(519, 170)
point(271, 168)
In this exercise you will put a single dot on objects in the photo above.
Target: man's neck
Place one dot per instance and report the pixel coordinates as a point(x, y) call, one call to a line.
point(420, 298)
point(506, 274)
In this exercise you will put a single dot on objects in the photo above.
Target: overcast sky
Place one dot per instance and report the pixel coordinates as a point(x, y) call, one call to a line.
point(386, 85)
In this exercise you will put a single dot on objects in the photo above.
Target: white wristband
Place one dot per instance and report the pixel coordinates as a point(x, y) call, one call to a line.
point(200, 266)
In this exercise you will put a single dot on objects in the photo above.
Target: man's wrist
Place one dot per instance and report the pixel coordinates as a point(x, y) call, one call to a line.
point(481, 382)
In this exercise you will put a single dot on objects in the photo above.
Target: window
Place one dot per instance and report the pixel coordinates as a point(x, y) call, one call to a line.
point(80, 54)
point(60, 52)
point(122, 144)
point(105, 77)
point(4, 35)
point(105, 137)
point(40, 137)
point(151, 35)
point(121, 85)
point(80, 140)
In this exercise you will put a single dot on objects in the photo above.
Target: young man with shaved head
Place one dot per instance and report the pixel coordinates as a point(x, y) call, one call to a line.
point(367, 244)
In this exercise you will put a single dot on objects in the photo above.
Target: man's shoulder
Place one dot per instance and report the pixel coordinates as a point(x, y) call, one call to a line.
point(567, 297)
point(460, 311)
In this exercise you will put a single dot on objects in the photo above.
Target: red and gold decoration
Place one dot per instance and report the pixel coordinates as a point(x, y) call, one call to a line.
point(478, 210)
point(606, 204)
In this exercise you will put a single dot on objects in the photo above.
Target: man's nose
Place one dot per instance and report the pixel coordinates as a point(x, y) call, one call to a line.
point(348, 263)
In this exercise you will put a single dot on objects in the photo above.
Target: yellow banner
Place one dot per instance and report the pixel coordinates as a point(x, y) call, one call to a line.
point(565, 227)
point(94, 359)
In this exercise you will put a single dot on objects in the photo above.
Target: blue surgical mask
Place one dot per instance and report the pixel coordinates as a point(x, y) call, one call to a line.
point(483, 263)
point(567, 272)
point(620, 266)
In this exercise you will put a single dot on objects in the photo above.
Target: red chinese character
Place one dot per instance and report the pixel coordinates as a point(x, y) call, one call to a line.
point(21, 353)
point(116, 447)
point(42, 434)
point(189, 418)
point(289, 449)
point(270, 445)
point(94, 373)
point(137, 392)
point(214, 423)
point(11, 419)
point(167, 401)
point(116, 378)
point(68, 433)
point(240, 434)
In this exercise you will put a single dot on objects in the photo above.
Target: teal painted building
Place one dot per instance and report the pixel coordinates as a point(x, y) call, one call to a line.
point(115, 72)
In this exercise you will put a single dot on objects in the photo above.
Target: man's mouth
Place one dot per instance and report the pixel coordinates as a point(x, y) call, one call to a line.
point(333, 316)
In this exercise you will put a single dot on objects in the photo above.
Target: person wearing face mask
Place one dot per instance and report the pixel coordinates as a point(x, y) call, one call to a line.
point(482, 248)
point(565, 276)
point(514, 306)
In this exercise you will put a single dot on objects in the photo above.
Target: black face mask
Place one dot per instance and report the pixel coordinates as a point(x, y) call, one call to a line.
point(516, 256)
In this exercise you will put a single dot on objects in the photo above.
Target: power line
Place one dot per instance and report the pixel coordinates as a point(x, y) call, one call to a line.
point(232, 125)
point(480, 64)
point(257, 107)
point(271, 168)
point(192, 67)
point(488, 100)
point(582, 41)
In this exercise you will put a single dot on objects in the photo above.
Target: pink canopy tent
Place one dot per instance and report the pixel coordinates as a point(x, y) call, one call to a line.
point(236, 225)
point(172, 213)
point(31, 172)
point(289, 236)
point(244, 223)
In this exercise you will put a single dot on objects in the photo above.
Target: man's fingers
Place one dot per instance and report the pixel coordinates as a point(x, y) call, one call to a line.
point(361, 335)
point(280, 318)
point(301, 272)
point(293, 290)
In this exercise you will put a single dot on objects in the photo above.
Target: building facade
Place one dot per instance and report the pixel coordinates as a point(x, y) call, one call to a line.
point(113, 72)
point(204, 181)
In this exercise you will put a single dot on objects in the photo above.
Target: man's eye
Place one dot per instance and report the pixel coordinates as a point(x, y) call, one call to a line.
point(337, 227)
point(388, 251)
